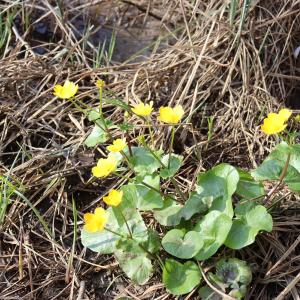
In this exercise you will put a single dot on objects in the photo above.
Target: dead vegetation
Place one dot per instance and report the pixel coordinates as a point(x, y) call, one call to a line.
point(232, 75)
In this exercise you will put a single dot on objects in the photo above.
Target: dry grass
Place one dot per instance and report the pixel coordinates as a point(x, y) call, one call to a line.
point(205, 65)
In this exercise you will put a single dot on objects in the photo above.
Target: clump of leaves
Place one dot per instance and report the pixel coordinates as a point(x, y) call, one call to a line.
point(193, 229)
point(232, 277)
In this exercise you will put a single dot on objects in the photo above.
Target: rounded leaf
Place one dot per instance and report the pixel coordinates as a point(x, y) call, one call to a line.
point(137, 266)
point(182, 245)
point(169, 214)
point(220, 183)
point(245, 229)
point(180, 279)
point(213, 228)
point(97, 136)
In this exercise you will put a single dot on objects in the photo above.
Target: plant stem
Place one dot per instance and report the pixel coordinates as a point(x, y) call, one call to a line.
point(127, 226)
point(114, 232)
point(141, 246)
point(128, 139)
point(171, 145)
point(101, 111)
point(101, 101)
point(148, 186)
point(150, 131)
point(183, 197)
point(219, 292)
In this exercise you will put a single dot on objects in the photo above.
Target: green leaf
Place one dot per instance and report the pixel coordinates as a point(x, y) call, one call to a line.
point(233, 270)
point(126, 126)
point(206, 293)
point(247, 187)
point(196, 204)
point(97, 136)
point(232, 277)
point(182, 245)
point(149, 198)
point(243, 207)
point(153, 242)
point(246, 227)
point(220, 183)
point(169, 214)
point(93, 115)
point(126, 210)
point(129, 245)
point(137, 266)
point(117, 102)
point(143, 197)
point(213, 228)
point(143, 161)
point(180, 279)
point(151, 180)
point(171, 167)
point(272, 166)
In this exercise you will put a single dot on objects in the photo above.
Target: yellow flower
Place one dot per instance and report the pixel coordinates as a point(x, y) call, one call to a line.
point(297, 118)
point(117, 146)
point(273, 124)
point(285, 114)
point(67, 91)
point(142, 109)
point(100, 83)
point(114, 198)
point(96, 221)
point(105, 166)
point(171, 115)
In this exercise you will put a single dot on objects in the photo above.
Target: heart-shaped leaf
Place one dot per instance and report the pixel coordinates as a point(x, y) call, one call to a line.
point(137, 266)
point(172, 165)
point(220, 183)
point(96, 137)
point(153, 242)
point(182, 245)
point(213, 228)
point(246, 227)
point(206, 293)
point(180, 279)
point(169, 214)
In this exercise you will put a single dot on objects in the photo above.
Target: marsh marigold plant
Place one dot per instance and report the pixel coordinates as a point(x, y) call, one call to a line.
point(181, 242)
point(66, 91)
point(171, 115)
